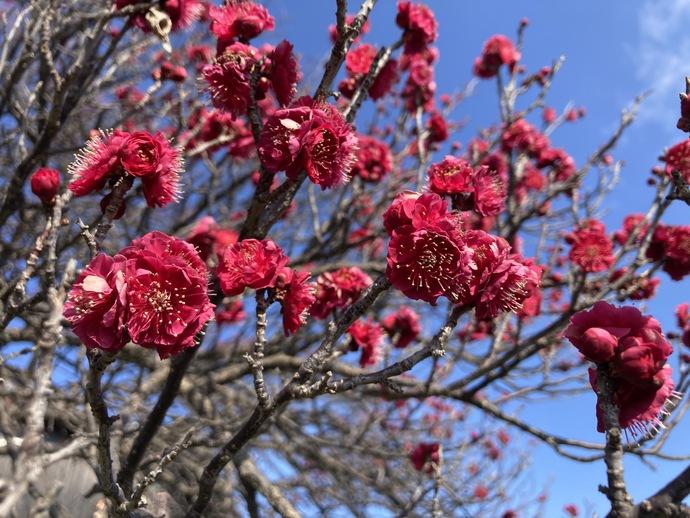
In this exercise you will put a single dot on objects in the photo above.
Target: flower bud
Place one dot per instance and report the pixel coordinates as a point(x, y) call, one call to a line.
point(45, 184)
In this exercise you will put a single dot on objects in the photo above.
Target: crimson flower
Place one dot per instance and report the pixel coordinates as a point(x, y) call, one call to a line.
point(295, 296)
point(419, 24)
point(357, 65)
point(231, 312)
point(402, 327)
point(639, 358)
point(548, 115)
point(387, 77)
point(338, 289)
point(96, 308)
point(167, 293)
point(635, 353)
point(310, 136)
point(250, 264)
point(678, 157)
point(511, 282)
point(420, 87)
point(481, 189)
point(682, 314)
point(481, 492)
point(562, 164)
point(425, 455)
point(97, 163)
point(108, 156)
point(368, 335)
point(168, 71)
point(591, 250)
point(374, 159)
point(489, 192)
point(428, 255)
point(451, 176)
point(168, 304)
point(498, 50)
point(210, 239)
point(45, 183)
point(684, 322)
point(183, 12)
point(427, 263)
point(168, 249)
point(283, 72)
point(418, 210)
point(401, 209)
point(438, 127)
point(141, 153)
point(595, 333)
point(243, 20)
point(637, 406)
point(359, 59)
point(525, 138)
point(154, 293)
point(228, 79)
point(676, 247)
point(630, 222)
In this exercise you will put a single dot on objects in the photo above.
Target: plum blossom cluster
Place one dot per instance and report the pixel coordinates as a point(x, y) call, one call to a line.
point(677, 158)
point(109, 156)
point(239, 20)
point(541, 165)
point(591, 249)
point(357, 65)
point(430, 255)
point(671, 244)
point(210, 239)
point(419, 24)
point(229, 78)
point(338, 289)
point(637, 287)
point(153, 293)
point(374, 159)
point(523, 138)
point(420, 31)
point(262, 265)
point(211, 129)
point(633, 350)
point(480, 189)
point(309, 136)
point(498, 51)
point(419, 88)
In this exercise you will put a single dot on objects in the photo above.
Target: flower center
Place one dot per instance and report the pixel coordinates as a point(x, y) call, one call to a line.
point(159, 299)
point(147, 154)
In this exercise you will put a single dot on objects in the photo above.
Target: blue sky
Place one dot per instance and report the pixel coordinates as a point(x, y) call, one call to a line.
point(613, 52)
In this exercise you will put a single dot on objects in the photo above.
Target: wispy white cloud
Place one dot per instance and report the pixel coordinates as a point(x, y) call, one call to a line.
point(662, 58)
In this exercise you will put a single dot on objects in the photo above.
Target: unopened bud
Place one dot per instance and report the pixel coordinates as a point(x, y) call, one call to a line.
point(45, 184)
